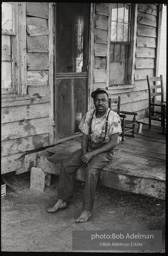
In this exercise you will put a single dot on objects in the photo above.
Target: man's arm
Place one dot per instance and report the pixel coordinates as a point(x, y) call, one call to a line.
point(106, 147)
point(84, 144)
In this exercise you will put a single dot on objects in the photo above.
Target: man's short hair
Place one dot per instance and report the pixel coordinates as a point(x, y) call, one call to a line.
point(97, 91)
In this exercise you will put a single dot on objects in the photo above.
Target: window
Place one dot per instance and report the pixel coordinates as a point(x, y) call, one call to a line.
point(8, 37)
point(121, 43)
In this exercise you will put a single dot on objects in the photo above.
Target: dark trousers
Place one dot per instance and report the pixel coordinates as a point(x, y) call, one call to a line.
point(67, 176)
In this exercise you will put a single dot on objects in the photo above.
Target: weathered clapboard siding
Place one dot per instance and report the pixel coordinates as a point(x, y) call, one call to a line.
point(135, 106)
point(102, 8)
point(25, 128)
point(148, 8)
point(101, 36)
point(144, 30)
point(146, 42)
point(100, 45)
point(100, 62)
point(145, 52)
point(141, 74)
point(37, 9)
point(37, 77)
point(144, 63)
point(37, 61)
point(100, 75)
point(38, 90)
point(101, 22)
point(37, 44)
point(100, 50)
point(13, 114)
point(37, 27)
point(21, 145)
point(35, 100)
point(147, 19)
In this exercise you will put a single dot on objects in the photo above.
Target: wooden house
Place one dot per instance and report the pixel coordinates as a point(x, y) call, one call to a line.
point(55, 54)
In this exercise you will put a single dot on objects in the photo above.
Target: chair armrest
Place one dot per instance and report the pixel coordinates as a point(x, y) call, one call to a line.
point(122, 116)
point(128, 113)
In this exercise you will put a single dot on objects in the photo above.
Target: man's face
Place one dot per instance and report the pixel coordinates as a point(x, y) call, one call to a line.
point(101, 102)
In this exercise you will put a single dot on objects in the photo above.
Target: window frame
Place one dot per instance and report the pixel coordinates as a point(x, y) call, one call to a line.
point(132, 47)
point(18, 51)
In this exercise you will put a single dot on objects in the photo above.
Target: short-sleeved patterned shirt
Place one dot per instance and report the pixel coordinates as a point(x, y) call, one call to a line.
point(98, 126)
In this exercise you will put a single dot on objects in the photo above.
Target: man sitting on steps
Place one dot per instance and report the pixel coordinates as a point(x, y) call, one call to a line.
point(101, 128)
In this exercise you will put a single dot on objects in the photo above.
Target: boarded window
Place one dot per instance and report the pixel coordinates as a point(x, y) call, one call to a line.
point(8, 33)
point(120, 43)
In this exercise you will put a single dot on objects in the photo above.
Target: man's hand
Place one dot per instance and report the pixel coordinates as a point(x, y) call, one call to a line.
point(86, 157)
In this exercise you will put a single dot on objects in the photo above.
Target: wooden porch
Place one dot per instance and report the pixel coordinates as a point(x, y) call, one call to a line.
point(138, 166)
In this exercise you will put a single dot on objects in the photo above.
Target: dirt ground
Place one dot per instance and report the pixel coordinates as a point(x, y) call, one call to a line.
point(26, 225)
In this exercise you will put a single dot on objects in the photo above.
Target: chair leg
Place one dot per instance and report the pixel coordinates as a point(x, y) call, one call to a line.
point(123, 126)
point(149, 120)
point(133, 126)
point(163, 118)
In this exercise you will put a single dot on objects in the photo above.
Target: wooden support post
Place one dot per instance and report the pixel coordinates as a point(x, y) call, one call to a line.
point(38, 179)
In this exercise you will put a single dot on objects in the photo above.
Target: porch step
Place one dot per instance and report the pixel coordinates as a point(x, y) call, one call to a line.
point(127, 171)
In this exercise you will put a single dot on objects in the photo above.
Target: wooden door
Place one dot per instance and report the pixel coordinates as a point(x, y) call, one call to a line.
point(72, 41)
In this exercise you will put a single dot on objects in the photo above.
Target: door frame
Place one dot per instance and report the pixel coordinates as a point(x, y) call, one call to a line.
point(54, 90)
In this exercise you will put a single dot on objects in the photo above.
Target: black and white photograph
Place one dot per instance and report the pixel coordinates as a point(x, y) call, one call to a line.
point(83, 127)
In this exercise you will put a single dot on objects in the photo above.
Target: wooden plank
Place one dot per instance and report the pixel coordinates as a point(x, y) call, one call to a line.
point(51, 72)
point(37, 99)
point(148, 8)
point(10, 167)
point(158, 39)
point(147, 19)
point(13, 97)
point(100, 63)
point(9, 159)
point(102, 8)
point(37, 61)
point(146, 42)
point(24, 112)
point(91, 54)
point(22, 47)
point(140, 85)
point(101, 36)
point(101, 22)
point(145, 52)
point(100, 50)
point(37, 27)
point(108, 47)
point(37, 77)
point(135, 106)
point(144, 63)
point(131, 56)
point(141, 74)
point(25, 128)
point(146, 137)
point(37, 44)
point(38, 9)
point(100, 75)
point(21, 145)
point(99, 85)
point(143, 30)
point(38, 90)
point(152, 148)
point(6, 48)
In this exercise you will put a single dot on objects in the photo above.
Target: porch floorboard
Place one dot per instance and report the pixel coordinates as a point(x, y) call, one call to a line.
point(138, 165)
